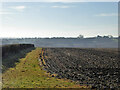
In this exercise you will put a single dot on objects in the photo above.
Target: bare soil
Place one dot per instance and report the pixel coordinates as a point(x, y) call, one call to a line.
point(95, 67)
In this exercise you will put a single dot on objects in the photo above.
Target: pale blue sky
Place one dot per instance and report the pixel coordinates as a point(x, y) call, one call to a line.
point(40, 19)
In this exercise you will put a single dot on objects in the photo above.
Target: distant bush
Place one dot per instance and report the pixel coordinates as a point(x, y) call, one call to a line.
point(14, 48)
point(12, 53)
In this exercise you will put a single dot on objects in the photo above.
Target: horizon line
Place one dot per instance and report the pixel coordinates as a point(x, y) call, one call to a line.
point(60, 37)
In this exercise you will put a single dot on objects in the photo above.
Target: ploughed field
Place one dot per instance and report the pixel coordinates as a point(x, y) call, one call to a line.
point(94, 67)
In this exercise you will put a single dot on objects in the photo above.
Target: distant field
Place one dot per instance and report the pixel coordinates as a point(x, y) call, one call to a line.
point(66, 42)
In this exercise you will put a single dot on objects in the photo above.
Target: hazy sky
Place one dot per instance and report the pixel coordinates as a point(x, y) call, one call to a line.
point(57, 19)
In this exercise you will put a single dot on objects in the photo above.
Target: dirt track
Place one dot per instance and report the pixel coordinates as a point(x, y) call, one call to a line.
point(95, 67)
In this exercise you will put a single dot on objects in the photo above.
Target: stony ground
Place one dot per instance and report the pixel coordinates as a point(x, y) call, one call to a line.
point(95, 67)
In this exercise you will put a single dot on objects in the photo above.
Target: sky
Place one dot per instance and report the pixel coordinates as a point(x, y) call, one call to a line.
point(59, 19)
